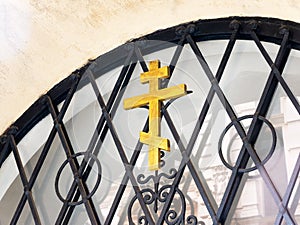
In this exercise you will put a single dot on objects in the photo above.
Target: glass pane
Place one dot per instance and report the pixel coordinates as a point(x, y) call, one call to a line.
point(10, 201)
point(214, 154)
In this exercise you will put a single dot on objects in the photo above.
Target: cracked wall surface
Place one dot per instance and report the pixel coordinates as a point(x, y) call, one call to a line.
point(43, 41)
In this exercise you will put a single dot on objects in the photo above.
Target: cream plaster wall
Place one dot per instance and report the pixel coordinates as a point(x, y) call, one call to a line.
point(42, 41)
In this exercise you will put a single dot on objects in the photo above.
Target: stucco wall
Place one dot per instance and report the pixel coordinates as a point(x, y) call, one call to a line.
point(43, 41)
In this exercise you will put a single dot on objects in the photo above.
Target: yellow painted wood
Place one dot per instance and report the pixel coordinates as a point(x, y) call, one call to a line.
point(154, 98)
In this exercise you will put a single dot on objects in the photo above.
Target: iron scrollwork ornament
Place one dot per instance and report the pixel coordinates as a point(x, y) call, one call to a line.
point(156, 196)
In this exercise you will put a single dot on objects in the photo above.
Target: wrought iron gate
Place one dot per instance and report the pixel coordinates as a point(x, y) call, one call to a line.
point(180, 192)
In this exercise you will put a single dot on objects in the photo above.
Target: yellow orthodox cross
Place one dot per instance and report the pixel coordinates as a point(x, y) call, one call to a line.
point(154, 98)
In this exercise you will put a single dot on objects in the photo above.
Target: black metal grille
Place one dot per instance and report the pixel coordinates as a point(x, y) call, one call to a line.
point(157, 202)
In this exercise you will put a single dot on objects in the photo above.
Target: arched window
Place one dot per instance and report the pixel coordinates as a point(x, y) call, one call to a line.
point(76, 157)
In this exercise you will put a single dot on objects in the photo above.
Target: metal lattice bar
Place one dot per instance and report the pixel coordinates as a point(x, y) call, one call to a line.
point(122, 152)
point(177, 179)
point(139, 144)
point(295, 201)
point(24, 180)
point(208, 101)
point(125, 180)
point(243, 157)
point(210, 204)
point(45, 151)
point(276, 72)
point(95, 136)
point(176, 56)
point(66, 143)
point(240, 129)
point(105, 130)
point(209, 201)
point(278, 75)
point(140, 58)
point(254, 129)
point(162, 210)
point(285, 201)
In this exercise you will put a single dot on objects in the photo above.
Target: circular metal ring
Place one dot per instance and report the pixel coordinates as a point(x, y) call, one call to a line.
point(78, 176)
point(265, 160)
